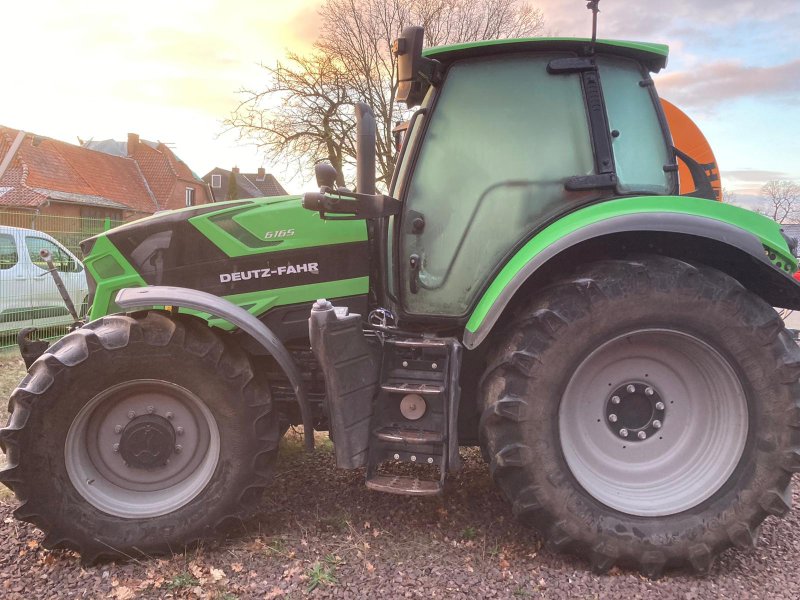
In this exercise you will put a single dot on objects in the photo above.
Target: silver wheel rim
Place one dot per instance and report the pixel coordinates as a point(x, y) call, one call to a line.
point(96, 463)
point(701, 434)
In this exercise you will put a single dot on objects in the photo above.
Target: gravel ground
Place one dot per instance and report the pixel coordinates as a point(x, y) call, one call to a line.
point(320, 533)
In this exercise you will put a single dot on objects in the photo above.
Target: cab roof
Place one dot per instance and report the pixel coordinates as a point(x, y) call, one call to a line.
point(653, 56)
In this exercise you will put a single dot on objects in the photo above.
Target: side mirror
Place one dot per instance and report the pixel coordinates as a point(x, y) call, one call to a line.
point(326, 175)
point(415, 73)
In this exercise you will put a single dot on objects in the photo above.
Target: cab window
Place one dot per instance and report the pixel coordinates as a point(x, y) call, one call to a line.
point(503, 137)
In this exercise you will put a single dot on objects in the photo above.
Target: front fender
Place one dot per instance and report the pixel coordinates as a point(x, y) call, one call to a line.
point(146, 297)
point(737, 230)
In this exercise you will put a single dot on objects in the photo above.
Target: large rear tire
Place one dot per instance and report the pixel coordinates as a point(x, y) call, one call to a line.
point(138, 434)
point(644, 413)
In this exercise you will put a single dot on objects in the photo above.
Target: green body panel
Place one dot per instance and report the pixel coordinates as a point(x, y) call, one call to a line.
point(652, 54)
point(239, 229)
point(766, 230)
point(112, 272)
point(275, 216)
point(258, 303)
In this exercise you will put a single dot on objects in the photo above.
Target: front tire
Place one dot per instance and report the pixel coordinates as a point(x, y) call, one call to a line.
point(644, 413)
point(138, 434)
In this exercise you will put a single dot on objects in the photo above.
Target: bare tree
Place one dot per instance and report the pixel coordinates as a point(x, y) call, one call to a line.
point(781, 200)
point(729, 197)
point(305, 113)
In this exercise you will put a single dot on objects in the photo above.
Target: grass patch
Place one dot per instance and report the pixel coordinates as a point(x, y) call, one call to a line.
point(183, 580)
point(321, 574)
point(469, 533)
point(276, 547)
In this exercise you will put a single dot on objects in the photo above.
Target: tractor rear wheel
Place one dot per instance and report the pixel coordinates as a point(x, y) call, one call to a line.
point(644, 413)
point(138, 434)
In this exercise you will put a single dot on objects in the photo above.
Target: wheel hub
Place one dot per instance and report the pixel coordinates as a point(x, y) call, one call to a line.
point(147, 442)
point(635, 411)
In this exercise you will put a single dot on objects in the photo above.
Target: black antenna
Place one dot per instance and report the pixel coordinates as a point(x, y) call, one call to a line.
point(592, 6)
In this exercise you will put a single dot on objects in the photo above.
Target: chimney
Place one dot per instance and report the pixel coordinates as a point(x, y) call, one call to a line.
point(235, 170)
point(261, 174)
point(133, 141)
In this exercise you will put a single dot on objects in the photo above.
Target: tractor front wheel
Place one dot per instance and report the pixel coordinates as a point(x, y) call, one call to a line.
point(644, 413)
point(138, 434)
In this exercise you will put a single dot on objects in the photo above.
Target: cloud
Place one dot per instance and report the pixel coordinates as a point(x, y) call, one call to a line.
point(654, 19)
point(724, 81)
point(754, 175)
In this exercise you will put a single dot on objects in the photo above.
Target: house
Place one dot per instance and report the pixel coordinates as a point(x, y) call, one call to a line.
point(45, 176)
point(170, 180)
point(233, 185)
point(97, 180)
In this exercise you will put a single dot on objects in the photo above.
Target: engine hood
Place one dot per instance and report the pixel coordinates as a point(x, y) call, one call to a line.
point(239, 247)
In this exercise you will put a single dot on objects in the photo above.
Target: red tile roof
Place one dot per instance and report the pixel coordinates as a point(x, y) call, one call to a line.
point(72, 173)
point(156, 169)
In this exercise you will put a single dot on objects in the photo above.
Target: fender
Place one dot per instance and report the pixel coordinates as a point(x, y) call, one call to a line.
point(740, 233)
point(147, 297)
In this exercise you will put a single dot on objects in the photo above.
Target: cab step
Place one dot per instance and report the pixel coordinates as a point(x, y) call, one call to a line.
point(415, 414)
point(405, 387)
point(408, 436)
point(404, 484)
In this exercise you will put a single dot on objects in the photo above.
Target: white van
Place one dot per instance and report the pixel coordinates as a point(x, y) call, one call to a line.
point(28, 295)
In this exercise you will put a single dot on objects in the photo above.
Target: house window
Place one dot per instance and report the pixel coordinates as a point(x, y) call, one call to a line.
point(189, 196)
point(216, 181)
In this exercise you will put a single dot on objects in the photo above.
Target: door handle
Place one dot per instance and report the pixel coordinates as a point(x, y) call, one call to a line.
point(413, 263)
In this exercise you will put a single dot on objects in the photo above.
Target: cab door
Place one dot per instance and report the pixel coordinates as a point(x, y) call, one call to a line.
point(502, 137)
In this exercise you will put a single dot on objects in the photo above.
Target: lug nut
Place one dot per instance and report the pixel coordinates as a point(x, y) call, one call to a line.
point(614, 399)
point(631, 388)
point(179, 430)
point(170, 415)
point(116, 447)
point(612, 417)
point(657, 424)
point(397, 457)
point(649, 391)
point(413, 458)
point(151, 410)
point(659, 406)
point(117, 428)
point(623, 432)
point(430, 460)
point(131, 414)
point(641, 435)
point(178, 448)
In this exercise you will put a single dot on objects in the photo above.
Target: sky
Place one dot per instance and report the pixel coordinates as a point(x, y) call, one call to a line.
point(169, 70)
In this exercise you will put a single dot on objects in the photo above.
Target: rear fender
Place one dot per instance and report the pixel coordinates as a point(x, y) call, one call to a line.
point(747, 246)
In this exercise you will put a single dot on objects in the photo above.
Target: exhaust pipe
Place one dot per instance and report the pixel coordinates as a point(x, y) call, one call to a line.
point(365, 149)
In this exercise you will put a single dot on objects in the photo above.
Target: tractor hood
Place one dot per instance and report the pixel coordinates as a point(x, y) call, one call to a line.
point(241, 247)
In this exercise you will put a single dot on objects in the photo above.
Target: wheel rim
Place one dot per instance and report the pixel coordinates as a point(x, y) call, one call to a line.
point(653, 469)
point(142, 448)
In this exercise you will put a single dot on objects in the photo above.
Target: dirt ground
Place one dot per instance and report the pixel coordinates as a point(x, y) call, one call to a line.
point(321, 533)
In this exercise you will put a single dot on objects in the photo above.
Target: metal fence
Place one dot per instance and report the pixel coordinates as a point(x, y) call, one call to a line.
point(28, 294)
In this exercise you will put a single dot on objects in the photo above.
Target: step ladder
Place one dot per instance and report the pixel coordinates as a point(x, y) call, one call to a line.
point(415, 413)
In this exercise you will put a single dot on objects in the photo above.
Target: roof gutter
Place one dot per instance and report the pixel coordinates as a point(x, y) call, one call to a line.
point(11, 153)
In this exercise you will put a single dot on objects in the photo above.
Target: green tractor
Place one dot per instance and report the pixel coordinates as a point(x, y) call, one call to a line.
point(533, 283)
